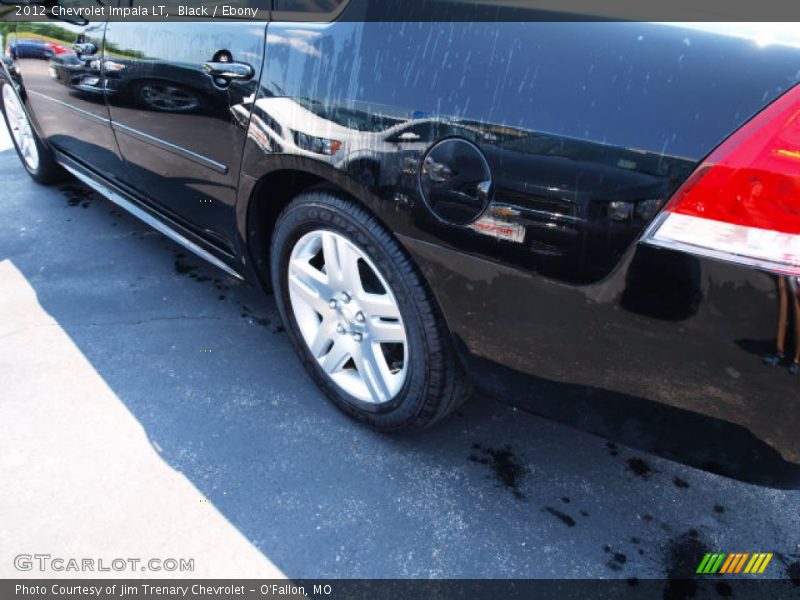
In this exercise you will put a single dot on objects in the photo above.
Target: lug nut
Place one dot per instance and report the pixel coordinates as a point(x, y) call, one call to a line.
point(345, 297)
point(332, 303)
point(358, 337)
point(340, 329)
point(360, 317)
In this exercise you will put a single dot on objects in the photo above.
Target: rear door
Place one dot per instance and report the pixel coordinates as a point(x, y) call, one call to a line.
point(61, 63)
point(176, 101)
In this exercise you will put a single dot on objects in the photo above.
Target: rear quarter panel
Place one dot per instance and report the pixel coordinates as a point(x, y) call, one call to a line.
point(571, 117)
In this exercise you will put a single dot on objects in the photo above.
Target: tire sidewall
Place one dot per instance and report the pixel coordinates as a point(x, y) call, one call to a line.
point(322, 211)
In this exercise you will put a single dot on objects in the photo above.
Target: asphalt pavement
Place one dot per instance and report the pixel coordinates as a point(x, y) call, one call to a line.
point(152, 406)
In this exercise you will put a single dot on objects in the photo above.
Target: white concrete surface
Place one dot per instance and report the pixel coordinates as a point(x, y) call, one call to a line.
point(80, 478)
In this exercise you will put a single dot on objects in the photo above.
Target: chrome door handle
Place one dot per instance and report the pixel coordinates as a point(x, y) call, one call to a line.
point(229, 70)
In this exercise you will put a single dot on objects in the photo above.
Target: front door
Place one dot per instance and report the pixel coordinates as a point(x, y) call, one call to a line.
point(176, 103)
point(61, 66)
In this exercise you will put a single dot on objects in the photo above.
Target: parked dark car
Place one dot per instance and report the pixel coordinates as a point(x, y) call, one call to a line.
point(599, 221)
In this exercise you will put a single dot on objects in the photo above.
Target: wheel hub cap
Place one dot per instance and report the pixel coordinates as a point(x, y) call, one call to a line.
point(347, 314)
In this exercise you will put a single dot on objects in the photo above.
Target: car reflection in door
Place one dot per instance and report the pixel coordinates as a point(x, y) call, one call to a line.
point(163, 88)
point(80, 69)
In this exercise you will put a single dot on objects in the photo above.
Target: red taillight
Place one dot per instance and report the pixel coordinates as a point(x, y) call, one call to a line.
point(743, 203)
point(57, 48)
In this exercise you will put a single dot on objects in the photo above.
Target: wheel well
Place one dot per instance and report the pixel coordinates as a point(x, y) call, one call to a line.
point(271, 195)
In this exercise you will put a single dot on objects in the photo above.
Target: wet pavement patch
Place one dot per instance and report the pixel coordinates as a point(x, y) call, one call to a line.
point(77, 195)
point(563, 517)
point(262, 321)
point(681, 557)
point(793, 573)
point(617, 561)
point(639, 467)
point(680, 483)
point(182, 267)
point(506, 467)
point(185, 269)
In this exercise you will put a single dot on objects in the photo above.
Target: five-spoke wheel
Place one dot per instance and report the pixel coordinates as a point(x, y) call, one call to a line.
point(20, 128)
point(36, 157)
point(348, 316)
point(360, 315)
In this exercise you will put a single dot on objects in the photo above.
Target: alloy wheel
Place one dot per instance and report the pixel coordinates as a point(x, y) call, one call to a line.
point(348, 316)
point(20, 128)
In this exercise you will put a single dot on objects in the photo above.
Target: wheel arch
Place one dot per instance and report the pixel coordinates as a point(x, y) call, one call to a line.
point(263, 198)
point(14, 78)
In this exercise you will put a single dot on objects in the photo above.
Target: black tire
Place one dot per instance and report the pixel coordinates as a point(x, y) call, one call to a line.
point(48, 171)
point(435, 384)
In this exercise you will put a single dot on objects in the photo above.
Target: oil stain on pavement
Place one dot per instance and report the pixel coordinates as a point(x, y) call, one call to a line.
point(506, 468)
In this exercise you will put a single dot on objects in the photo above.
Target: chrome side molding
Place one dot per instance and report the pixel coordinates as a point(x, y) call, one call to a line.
point(146, 217)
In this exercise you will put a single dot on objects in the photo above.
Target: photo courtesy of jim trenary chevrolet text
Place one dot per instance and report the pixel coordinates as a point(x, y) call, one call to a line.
point(383, 299)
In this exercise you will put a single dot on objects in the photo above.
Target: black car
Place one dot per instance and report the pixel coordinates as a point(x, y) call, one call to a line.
point(562, 214)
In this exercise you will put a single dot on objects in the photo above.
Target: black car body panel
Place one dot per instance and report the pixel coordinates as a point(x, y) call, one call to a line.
point(663, 355)
point(587, 129)
point(570, 116)
point(173, 120)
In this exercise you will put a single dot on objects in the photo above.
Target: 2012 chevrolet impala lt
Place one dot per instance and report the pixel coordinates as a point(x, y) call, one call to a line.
point(606, 211)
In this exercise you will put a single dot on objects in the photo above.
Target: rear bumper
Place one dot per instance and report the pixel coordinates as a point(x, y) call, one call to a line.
point(666, 354)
